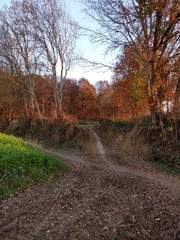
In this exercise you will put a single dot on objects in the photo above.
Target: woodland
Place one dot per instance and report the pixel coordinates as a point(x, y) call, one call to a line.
point(38, 47)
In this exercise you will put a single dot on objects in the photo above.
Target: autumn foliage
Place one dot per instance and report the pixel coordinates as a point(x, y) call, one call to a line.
point(125, 98)
point(37, 50)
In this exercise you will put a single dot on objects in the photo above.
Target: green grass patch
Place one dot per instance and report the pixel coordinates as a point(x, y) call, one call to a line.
point(22, 165)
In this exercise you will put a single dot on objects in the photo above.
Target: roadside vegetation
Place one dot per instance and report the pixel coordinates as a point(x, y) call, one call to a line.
point(53, 134)
point(163, 148)
point(22, 165)
point(117, 126)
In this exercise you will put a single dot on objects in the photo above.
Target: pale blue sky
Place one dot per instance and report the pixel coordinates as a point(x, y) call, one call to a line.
point(89, 51)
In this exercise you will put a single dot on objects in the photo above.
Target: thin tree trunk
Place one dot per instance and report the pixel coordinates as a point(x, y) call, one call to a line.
point(177, 99)
point(34, 102)
point(151, 94)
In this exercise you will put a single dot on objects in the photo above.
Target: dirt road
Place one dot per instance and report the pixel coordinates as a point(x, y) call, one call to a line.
point(106, 194)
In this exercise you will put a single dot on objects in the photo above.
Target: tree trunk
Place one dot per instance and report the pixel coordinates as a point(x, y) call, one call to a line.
point(155, 101)
point(151, 94)
point(34, 102)
point(177, 99)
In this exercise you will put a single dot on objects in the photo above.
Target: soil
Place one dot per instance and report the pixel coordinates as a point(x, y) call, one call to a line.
point(108, 193)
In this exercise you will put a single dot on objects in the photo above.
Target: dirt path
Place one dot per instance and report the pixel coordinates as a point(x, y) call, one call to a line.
point(107, 194)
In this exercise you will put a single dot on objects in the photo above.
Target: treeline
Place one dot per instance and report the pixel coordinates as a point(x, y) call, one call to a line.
point(37, 49)
point(126, 97)
point(81, 100)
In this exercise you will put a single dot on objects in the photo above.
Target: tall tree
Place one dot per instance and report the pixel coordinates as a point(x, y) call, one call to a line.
point(130, 81)
point(56, 34)
point(70, 93)
point(19, 52)
point(38, 37)
point(151, 28)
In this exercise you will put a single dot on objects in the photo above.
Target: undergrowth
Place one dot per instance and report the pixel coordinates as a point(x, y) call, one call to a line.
point(163, 147)
point(164, 161)
point(118, 125)
point(65, 145)
point(49, 133)
point(22, 165)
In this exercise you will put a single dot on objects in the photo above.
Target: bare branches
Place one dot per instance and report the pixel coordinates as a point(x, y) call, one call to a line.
point(149, 28)
point(39, 36)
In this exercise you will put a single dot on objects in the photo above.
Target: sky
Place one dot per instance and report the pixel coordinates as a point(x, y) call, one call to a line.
point(85, 47)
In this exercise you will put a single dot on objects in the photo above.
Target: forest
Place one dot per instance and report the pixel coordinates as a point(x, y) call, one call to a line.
point(37, 49)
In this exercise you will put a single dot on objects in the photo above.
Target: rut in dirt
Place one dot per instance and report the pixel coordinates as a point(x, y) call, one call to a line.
point(98, 198)
point(99, 146)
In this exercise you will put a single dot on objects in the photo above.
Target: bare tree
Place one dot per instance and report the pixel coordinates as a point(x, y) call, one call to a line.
point(151, 29)
point(56, 34)
point(38, 36)
point(19, 51)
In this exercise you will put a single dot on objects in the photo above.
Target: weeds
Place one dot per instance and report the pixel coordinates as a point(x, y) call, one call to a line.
point(48, 133)
point(117, 126)
point(65, 145)
point(166, 161)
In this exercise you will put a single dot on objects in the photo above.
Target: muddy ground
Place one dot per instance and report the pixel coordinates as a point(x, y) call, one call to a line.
point(108, 193)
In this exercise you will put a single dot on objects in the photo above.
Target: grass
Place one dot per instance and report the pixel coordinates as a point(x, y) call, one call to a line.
point(22, 165)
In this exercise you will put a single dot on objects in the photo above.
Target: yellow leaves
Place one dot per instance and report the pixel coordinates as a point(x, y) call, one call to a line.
point(138, 88)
